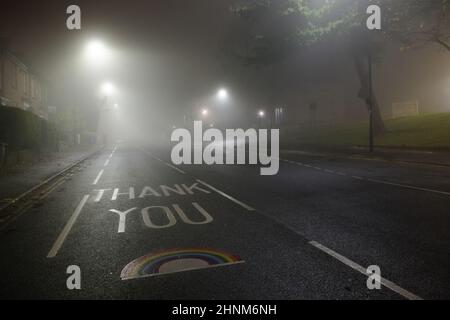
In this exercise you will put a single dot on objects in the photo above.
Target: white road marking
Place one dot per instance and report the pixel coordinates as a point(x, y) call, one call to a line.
point(388, 284)
point(173, 167)
point(407, 186)
point(62, 236)
point(98, 177)
point(403, 162)
point(375, 180)
point(227, 196)
point(112, 152)
point(166, 163)
point(107, 162)
point(122, 218)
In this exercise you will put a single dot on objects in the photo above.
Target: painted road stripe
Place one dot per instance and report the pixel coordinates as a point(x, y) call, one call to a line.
point(407, 186)
point(378, 181)
point(388, 284)
point(166, 163)
point(173, 167)
point(227, 196)
point(401, 162)
point(106, 162)
point(62, 236)
point(98, 177)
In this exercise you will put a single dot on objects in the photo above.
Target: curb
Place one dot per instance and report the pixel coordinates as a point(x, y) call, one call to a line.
point(48, 180)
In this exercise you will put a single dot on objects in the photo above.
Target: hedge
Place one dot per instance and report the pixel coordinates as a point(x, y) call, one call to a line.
point(22, 129)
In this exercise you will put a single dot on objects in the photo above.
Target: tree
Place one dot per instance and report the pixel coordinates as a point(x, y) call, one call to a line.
point(416, 23)
point(305, 22)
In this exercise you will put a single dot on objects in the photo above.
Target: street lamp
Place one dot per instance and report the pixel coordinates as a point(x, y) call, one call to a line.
point(96, 52)
point(222, 94)
point(105, 120)
point(107, 88)
point(205, 112)
point(261, 115)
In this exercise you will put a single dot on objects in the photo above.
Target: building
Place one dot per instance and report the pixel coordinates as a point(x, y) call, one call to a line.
point(19, 86)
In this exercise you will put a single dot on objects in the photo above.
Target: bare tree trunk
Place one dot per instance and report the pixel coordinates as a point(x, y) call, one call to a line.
point(364, 94)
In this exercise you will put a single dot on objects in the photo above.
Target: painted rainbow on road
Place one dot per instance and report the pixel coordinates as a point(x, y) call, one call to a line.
point(176, 260)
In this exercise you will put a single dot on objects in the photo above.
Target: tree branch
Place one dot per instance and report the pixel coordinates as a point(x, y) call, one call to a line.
point(442, 43)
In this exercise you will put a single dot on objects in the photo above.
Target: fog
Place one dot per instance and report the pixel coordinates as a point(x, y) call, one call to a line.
point(166, 60)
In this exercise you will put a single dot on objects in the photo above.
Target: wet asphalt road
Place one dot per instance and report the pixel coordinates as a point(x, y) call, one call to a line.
point(272, 234)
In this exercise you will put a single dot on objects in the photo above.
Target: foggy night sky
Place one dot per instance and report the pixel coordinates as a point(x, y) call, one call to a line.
point(169, 57)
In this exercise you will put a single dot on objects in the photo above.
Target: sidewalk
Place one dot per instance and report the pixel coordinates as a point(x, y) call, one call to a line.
point(419, 156)
point(23, 178)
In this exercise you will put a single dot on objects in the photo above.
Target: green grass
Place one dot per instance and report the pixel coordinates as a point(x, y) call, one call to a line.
point(427, 130)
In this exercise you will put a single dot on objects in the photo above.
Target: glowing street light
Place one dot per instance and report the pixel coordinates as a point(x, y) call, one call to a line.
point(261, 116)
point(222, 94)
point(205, 112)
point(107, 88)
point(96, 52)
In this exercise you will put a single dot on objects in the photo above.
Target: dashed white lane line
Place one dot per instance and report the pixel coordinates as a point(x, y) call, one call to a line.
point(106, 162)
point(388, 284)
point(98, 177)
point(371, 180)
point(173, 167)
point(62, 236)
point(227, 196)
point(166, 163)
point(407, 186)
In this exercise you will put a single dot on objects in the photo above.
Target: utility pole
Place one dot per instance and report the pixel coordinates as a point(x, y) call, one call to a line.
point(370, 105)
